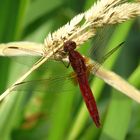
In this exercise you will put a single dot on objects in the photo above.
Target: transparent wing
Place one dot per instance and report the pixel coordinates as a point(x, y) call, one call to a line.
point(99, 42)
point(97, 65)
point(52, 78)
point(52, 84)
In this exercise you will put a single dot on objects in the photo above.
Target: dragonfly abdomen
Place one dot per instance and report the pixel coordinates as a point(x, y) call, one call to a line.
point(89, 99)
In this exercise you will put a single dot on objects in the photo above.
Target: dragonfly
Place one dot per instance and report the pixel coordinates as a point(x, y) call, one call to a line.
point(81, 69)
point(78, 63)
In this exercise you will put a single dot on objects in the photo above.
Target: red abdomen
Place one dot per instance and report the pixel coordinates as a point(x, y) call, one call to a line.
point(89, 99)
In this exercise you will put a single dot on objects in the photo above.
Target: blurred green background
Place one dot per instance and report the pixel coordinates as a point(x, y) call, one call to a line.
point(32, 114)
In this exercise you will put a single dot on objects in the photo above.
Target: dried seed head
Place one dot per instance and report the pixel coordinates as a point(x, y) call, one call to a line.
point(101, 13)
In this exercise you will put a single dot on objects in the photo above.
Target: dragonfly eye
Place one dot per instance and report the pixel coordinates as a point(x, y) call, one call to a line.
point(69, 45)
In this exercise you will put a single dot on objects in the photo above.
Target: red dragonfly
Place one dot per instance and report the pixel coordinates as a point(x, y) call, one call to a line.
point(78, 64)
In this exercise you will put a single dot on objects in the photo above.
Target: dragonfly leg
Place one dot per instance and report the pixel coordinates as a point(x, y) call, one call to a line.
point(67, 66)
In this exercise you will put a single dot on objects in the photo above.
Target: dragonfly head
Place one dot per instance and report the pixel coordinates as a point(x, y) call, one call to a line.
point(69, 46)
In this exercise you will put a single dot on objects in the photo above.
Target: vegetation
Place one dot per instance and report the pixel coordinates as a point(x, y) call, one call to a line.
point(47, 112)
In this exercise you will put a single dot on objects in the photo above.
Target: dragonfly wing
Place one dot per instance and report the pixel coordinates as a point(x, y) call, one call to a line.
point(100, 41)
point(52, 85)
point(97, 65)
